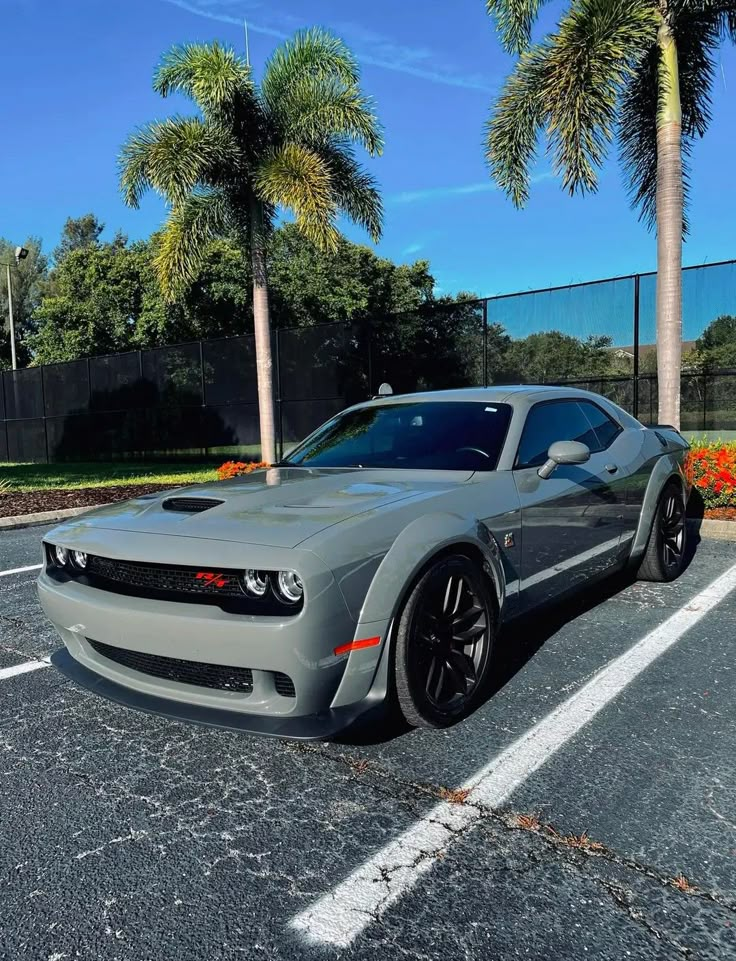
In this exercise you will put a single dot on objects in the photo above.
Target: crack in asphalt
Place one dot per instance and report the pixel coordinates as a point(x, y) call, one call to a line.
point(620, 898)
point(509, 820)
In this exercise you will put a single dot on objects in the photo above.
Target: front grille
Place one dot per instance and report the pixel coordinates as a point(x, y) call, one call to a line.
point(173, 582)
point(165, 579)
point(190, 505)
point(238, 679)
point(283, 684)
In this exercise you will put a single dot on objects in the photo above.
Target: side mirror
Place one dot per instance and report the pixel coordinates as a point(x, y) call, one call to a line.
point(564, 452)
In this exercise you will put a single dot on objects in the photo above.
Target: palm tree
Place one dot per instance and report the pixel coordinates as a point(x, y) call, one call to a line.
point(288, 144)
point(639, 71)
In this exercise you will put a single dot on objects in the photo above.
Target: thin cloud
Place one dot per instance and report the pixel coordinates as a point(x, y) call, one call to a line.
point(461, 190)
point(371, 48)
point(411, 249)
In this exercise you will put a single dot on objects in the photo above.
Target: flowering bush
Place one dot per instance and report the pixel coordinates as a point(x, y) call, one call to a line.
point(236, 468)
point(711, 469)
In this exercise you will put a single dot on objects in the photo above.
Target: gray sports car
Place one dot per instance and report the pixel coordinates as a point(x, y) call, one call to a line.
point(374, 564)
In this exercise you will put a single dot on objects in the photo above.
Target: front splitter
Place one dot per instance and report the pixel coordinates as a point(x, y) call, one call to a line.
point(310, 727)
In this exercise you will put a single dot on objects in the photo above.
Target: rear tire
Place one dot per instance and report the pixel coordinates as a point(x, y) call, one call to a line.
point(664, 557)
point(443, 643)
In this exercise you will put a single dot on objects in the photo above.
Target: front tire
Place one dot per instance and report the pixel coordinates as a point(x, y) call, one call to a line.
point(444, 642)
point(664, 558)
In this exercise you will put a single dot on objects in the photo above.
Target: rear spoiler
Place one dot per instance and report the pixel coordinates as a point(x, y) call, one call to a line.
point(660, 431)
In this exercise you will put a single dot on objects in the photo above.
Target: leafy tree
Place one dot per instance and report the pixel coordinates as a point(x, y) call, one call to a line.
point(308, 286)
point(78, 232)
point(716, 346)
point(105, 299)
point(351, 284)
point(29, 278)
point(551, 355)
point(286, 144)
point(639, 71)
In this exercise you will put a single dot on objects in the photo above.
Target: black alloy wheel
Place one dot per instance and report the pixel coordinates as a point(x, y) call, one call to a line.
point(444, 642)
point(665, 554)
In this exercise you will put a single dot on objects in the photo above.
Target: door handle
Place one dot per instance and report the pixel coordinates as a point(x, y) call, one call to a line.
point(611, 468)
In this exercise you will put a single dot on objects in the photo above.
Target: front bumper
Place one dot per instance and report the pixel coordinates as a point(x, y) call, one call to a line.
point(329, 691)
point(311, 727)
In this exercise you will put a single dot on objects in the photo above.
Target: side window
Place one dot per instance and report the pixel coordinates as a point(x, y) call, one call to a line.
point(551, 421)
point(605, 428)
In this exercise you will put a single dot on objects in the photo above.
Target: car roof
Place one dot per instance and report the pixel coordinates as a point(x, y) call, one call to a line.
point(499, 394)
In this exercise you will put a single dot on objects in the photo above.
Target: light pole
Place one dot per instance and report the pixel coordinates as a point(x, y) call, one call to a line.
point(20, 254)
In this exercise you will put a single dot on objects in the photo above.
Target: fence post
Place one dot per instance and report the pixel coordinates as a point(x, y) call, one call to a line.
point(279, 401)
point(5, 419)
point(705, 398)
point(205, 448)
point(369, 342)
point(636, 346)
point(485, 342)
point(43, 407)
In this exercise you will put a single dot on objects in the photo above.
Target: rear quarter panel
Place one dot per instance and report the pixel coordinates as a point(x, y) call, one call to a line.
point(664, 453)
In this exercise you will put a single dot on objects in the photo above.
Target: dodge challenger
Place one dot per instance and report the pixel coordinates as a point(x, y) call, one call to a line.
point(374, 565)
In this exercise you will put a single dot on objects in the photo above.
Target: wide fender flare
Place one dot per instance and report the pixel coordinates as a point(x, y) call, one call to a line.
point(366, 677)
point(412, 550)
point(667, 468)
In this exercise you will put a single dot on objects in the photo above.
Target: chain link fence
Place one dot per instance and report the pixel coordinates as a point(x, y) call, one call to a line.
point(200, 399)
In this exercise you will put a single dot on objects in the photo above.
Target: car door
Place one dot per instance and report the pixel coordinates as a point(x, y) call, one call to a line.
point(571, 521)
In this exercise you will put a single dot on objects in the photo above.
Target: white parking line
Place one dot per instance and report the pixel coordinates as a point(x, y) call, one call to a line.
point(25, 668)
point(21, 570)
point(339, 916)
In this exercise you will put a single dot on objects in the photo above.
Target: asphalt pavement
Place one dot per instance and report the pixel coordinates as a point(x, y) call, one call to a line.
point(127, 836)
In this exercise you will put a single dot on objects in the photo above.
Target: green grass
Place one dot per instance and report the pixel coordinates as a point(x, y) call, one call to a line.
point(34, 477)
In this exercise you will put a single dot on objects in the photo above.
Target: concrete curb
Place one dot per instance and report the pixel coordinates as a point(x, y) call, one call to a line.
point(43, 517)
point(713, 530)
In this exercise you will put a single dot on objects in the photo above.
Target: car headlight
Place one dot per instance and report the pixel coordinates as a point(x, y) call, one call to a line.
point(256, 582)
point(61, 555)
point(80, 559)
point(290, 587)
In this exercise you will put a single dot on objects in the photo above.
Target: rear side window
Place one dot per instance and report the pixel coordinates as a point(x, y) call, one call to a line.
point(549, 422)
point(605, 428)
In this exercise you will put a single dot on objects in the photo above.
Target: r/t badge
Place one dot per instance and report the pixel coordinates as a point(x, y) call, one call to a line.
point(508, 540)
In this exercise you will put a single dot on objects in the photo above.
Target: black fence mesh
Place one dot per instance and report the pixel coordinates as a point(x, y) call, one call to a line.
point(230, 371)
point(116, 382)
point(201, 398)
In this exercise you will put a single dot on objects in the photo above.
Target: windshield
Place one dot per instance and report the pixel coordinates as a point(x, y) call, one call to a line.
point(451, 435)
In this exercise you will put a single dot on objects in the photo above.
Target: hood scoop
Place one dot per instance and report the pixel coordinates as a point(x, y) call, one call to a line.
point(190, 505)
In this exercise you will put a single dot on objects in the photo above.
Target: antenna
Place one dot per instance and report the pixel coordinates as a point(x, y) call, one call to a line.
point(247, 46)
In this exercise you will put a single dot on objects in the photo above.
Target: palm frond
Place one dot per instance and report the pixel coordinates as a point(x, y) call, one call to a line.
point(514, 20)
point(594, 53)
point(300, 180)
point(512, 131)
point(172, 157)
point(201, 217)
point(697, 35)
point(725, 10)
point(312, 110)
point(637, 136)
point(697, 29)
point(354, 190)
point(207, 73)
point(316, 53)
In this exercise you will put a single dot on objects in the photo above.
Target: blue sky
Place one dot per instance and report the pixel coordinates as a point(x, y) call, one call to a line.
point(77, 80)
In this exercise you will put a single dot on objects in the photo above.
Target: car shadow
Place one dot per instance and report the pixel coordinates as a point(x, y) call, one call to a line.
point(517, 643)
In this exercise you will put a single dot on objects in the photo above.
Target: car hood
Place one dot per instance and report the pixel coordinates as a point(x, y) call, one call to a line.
point(280, 507)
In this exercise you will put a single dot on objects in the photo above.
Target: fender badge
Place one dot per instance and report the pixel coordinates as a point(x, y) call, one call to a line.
point(508, 540)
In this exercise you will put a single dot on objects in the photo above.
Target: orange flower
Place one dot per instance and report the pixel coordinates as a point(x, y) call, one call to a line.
point(232, 468)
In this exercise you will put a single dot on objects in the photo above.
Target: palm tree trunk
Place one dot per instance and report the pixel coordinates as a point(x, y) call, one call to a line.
point(262, 328)
point(669, 229)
